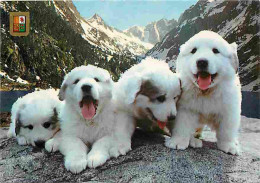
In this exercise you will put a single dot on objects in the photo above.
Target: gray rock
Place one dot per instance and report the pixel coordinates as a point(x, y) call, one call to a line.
point(149, 161)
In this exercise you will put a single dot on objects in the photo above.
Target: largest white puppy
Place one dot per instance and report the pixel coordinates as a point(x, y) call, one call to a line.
point(211, 96)
point(87, 118)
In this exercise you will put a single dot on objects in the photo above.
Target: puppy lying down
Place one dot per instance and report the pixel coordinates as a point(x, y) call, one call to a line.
point(211, 96)
point(148, 90)
point(87, 119)
point(34, 118)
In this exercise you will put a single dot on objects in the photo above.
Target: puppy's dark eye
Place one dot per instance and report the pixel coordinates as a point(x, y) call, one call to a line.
point(46, 124)
point(175, 98)
point(161, 98)
point(97, 80)
point(193, 50)
point(76, 81)
point(30, 127)
point(215, 50)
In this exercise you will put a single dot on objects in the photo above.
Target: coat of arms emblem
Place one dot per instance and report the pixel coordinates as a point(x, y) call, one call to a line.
point(19, 23)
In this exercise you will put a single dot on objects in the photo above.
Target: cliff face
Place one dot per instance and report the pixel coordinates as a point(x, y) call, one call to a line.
point(98, 33)
point(153, 32)
point(69, 13)
point(236, 21)
point(53, 47)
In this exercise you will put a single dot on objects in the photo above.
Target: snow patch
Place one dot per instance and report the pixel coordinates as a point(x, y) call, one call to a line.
point(216, 11)
point(244, 40)
point(72, 10)
point(58, 10)
point(210, 6)
point(19, 80)
point(2, 73)
point(233, 25)
point(115, 40)
point(251, 85)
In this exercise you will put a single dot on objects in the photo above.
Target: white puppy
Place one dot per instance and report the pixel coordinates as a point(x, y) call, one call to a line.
point(34, 118)
point(147, 90)
point(87, 118)
point(211, 96)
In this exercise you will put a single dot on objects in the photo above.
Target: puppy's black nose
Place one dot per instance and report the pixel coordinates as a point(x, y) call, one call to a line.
point(86, 88)
point(202, 64)
point(171, 117)
point(40, 143)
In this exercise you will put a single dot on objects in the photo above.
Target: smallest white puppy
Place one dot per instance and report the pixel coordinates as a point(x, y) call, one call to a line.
point(34, 118)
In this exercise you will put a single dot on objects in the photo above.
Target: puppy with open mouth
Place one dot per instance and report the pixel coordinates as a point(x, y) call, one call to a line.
point(211, 96)
point(87, 118)
point(148, 90)
point(34, 118)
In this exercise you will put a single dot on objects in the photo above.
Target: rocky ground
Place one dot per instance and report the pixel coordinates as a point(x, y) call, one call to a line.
point(149, 161)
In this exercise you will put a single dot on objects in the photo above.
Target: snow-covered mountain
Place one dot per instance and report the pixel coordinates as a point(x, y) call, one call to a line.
point(153, 32)
point(237, 21)
point(100, 34)
point(112, 39)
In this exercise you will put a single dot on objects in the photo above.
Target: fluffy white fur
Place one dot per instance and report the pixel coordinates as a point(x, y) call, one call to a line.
point(219, 106)
point(137, 92)
point(35, 110)
point(77, 133)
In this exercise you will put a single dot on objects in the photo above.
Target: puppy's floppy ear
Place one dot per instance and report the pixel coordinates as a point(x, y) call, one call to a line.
point(139, 86)
point(148, 89)
point(234, 57)
point(180, 83)
point(132, 87)
point(55, 119)
point(182, 47)
point(18, 124)
point(179, 58)
point(62, 91)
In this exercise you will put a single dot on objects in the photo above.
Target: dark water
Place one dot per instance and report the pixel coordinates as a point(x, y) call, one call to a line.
point(250, 102)
point(7, 98)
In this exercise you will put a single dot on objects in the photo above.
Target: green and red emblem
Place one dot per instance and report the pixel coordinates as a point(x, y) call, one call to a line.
point(19, 24)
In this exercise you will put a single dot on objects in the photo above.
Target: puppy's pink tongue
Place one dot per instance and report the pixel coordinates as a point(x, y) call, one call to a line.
point(161, 124)
point(204, 82)
point(88, 110)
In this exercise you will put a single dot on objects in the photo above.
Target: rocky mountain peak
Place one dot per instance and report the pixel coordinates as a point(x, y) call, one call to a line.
point(152, 32)
point(163, 20)
point(97, 19)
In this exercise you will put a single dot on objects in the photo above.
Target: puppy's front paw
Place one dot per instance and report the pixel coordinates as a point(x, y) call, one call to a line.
point(95, 159)
point(22, 141)
point(195, 143)
point(229, 147)
point(75, 165)
point(177, 143)
point(9, 133)
point(52, 145)
point(120, 149)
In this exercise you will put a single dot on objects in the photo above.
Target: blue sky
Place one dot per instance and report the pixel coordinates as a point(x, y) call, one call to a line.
point(124, 14)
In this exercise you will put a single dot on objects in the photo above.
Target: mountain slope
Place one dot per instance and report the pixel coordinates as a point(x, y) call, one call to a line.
point(52, 48)
point(236, 21)
point(98, 33)
point(108, 38)
point(153, 32)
